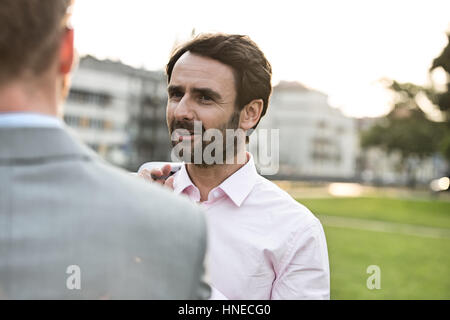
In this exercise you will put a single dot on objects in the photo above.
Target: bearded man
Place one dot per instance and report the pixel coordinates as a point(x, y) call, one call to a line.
point(262, 244)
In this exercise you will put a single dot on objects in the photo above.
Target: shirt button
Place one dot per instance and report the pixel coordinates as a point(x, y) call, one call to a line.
point(216, 194)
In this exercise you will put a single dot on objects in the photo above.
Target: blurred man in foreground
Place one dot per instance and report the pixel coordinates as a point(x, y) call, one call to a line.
point(72, 226)
point(262, 243)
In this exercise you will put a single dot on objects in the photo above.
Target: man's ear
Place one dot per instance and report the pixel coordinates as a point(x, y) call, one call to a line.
point(251, 113)
point(66, 52)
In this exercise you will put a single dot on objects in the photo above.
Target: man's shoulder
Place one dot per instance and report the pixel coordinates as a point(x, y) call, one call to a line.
point(280, 204)
point(125, 195)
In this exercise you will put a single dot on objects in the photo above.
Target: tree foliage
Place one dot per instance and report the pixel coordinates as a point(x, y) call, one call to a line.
point(406, 129)
point(443, 99)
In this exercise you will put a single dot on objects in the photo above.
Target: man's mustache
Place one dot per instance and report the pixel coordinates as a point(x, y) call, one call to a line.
point(187, 125)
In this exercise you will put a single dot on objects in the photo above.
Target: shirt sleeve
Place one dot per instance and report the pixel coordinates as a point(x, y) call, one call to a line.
point(305, 272)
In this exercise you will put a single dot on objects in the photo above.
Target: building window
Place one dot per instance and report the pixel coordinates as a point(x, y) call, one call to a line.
point(85, 122)
point(88, 123)
point(321, 124)
point(87, 97)
point(340, 130)
point(72, 121)
point(325, 150)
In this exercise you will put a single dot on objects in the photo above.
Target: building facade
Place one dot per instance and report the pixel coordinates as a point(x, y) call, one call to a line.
point(119, 111)
point(316, 141)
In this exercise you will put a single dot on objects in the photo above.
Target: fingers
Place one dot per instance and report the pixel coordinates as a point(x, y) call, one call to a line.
point(152, 175)
point(166, 170)
point(169, 182)
point(144, 174)
point(156, 174)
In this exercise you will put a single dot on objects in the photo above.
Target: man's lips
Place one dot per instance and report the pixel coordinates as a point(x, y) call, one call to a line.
point(187, 137)
point(184, 136)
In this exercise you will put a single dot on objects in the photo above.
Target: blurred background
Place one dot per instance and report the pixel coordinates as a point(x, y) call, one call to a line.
point(361, 98)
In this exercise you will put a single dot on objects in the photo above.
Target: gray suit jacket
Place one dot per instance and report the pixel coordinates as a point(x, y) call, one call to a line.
point(62, 206)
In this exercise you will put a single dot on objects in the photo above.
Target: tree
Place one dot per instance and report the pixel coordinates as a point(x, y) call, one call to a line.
point(443, 99)
point(406, 129)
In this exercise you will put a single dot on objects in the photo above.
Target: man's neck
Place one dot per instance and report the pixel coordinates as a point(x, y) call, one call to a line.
point(206, 178)
point(25, 97)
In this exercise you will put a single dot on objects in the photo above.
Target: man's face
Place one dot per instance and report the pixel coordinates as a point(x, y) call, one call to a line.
point(201, 89)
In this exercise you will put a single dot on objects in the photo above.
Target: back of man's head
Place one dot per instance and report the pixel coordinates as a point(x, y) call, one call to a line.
point(30, 36)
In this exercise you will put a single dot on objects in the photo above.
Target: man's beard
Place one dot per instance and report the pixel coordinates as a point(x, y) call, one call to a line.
point(227, 146)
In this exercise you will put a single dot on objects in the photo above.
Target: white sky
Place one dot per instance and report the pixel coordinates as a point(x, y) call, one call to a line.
point(341, 48)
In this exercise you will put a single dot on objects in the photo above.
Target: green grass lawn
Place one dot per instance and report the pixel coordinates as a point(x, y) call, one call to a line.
point(412, 267)
point(418, 212)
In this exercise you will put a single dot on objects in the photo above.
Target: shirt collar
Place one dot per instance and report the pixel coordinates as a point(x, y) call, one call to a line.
point(182, 180)
point(237, 186)
point(28, 119)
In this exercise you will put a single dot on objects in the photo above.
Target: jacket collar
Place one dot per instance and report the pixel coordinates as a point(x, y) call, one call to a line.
point(29, 144)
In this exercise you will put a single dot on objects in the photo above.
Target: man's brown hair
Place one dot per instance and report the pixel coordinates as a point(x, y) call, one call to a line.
point(30, 33)
point(251, 69)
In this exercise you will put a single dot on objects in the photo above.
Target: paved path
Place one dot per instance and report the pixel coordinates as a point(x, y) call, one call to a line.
point(384, 226)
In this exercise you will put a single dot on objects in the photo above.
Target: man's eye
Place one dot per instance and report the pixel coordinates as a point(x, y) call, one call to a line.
point(205, 98)
point(175, 95)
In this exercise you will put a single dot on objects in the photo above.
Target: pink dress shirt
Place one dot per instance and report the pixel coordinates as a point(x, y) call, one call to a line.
point(262, 244)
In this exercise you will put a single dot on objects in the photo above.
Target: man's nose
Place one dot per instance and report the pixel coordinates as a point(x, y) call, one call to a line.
point(183, 110)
